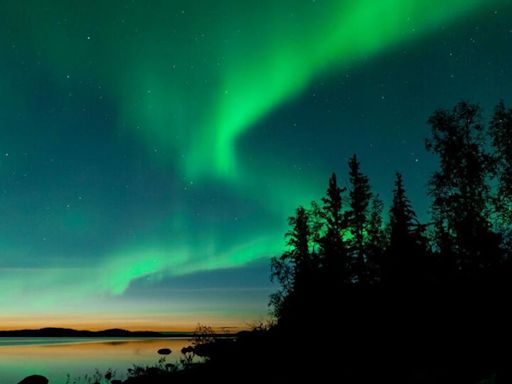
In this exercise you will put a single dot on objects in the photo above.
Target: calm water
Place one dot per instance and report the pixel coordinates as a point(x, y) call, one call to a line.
point(55, 358)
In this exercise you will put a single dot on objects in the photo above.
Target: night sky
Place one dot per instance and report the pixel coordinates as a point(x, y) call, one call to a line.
point(151, 151)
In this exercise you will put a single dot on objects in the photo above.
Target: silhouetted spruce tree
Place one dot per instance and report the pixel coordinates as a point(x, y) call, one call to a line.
point(293, 269)
point(460, 188)
point(332, 246)
point(357, 219)
point(376, 239)
point(406, 249)
point(501, 134)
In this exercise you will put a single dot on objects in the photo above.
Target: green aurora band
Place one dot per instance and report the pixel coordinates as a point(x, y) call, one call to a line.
point(197, 76)
point(272, 53)
point(190, 80)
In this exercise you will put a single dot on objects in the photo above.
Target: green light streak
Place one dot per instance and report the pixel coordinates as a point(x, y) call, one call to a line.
point(189, 81)
point(280, 68)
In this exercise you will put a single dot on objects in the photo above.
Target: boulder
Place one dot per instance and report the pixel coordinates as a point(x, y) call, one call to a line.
point(164, 351)
point(34, 379)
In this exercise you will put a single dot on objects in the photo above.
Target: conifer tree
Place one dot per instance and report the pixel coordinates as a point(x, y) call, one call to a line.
point(293, 268)
point(333, 249)
point(357, 218)
point(405, 249)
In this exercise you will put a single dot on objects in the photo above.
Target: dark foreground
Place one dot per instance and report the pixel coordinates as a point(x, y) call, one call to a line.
point(461, 338)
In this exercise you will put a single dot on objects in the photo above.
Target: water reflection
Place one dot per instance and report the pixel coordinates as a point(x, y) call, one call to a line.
point(55, 358)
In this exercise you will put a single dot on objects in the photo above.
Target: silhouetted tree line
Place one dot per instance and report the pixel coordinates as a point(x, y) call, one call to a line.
point(375, 280)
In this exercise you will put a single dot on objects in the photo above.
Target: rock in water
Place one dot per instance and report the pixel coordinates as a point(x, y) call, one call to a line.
point(34, 379)
point(164, 351)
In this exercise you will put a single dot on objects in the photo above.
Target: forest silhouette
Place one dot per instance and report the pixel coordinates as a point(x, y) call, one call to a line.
point(368, 296)
point(411, 301)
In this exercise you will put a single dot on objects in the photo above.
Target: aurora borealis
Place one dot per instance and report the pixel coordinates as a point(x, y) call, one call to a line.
point(151, 151)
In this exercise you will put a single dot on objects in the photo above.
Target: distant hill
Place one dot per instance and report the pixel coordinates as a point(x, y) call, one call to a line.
point(67, 332)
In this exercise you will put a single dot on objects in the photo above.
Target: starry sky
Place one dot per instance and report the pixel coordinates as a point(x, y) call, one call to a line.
point(151, 151)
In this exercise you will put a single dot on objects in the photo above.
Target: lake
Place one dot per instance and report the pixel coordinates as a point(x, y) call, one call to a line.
point(56, 358)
